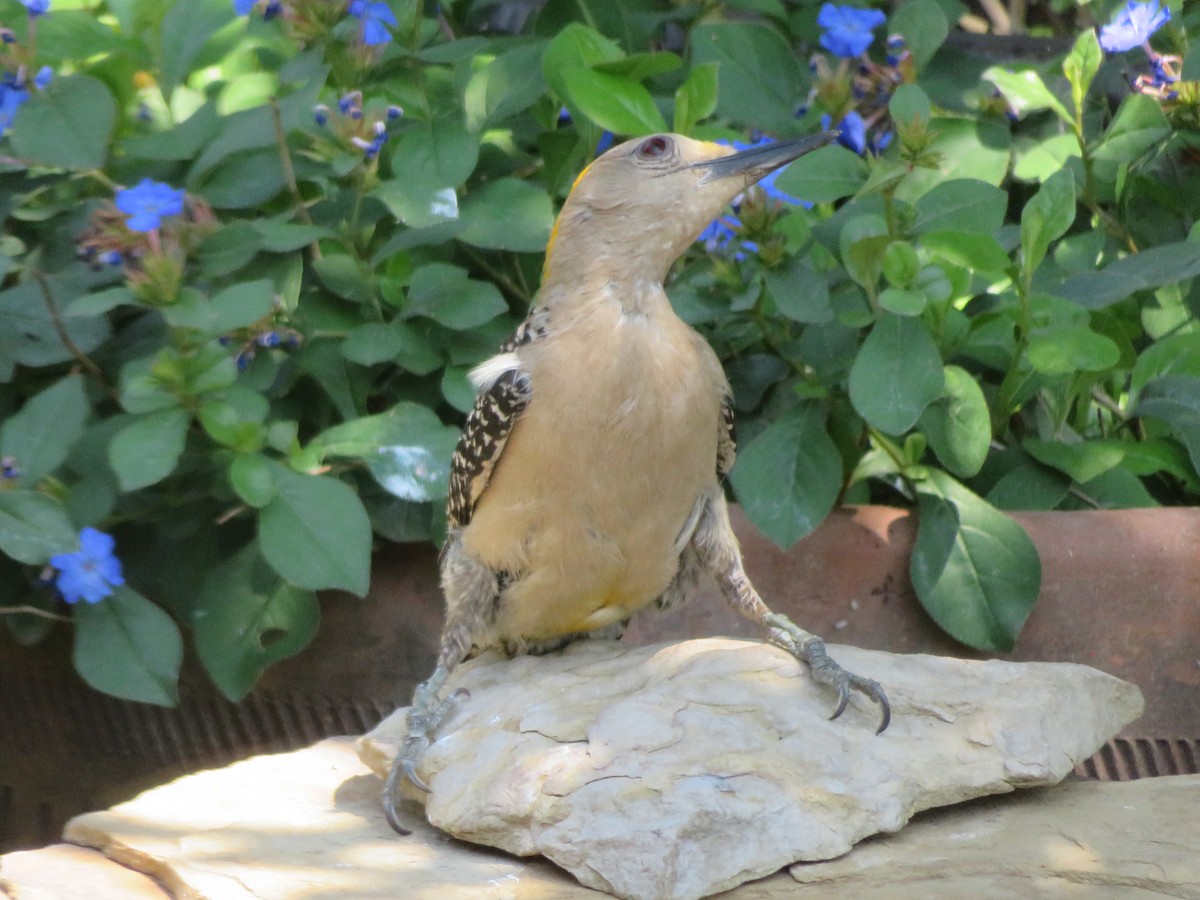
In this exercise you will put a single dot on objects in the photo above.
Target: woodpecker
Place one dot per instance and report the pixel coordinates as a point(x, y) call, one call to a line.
point(587, 482)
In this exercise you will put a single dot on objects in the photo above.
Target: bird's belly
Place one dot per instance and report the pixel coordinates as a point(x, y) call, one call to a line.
point(586, 506)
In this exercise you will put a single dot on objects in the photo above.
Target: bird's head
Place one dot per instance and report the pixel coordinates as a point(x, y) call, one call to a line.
point(645, 201)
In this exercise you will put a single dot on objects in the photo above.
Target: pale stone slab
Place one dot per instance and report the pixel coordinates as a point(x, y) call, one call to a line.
point(1086, 839)
point(680, 770)
point(63, 872)
point(301, 825)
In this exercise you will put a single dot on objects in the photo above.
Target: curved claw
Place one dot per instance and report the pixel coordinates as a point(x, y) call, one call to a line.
point(390, 796)
point(410, 772)
point(843, 699)
point(881, 698)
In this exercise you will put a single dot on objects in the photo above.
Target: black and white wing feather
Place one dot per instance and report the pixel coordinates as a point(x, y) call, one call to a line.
point(490, 422)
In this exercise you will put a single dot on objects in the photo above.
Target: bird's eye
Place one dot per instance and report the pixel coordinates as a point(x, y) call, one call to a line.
point(652, 148)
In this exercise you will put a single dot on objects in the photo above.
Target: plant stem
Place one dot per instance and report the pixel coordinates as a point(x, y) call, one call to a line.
point(56, 319)
point(33, 611)
point(289, 173)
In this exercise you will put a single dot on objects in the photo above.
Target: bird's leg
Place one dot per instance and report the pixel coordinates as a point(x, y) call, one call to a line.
point(717, 548)
point(471, 590)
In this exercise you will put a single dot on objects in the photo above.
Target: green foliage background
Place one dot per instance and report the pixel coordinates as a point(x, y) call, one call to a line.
point(994, 314)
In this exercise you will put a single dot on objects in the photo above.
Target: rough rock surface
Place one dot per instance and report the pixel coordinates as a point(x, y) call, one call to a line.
point(300, 825)
point(308, 825)
point(684, 769)
point(1129, 840)
point(63, 872)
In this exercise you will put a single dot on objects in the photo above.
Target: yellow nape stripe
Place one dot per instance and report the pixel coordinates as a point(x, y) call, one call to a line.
point(554, 228)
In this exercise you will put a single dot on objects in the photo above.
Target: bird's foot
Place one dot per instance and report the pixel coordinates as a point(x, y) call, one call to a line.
point(425, 715)
point(811, 649)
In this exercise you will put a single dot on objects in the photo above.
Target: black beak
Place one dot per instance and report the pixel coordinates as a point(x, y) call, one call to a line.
point(760, 161)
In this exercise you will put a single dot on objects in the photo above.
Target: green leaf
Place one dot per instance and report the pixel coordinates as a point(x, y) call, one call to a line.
point(824, 175)
point(957, 424)
point(1062, 350)
point(507, 214)
point(1039, 161)
point(800, 292)
point(966, 148)
point(34, 527)
point(963, 205)
point(241, 181)
point(897, 374)
point(441, 153)
point(69, 124)
point(247, 618)
point(407, 450)
point(575, 46)
point(1176, 400)
point(1139, 125)
point(909, 106)
point(503, 87)
point(99, 303)
point(1178, 354)
point(344, 276)
point(186, 28)
point(128, 647)
point(315, 533)
point(1029, 486)
point(1047, 215)
point(616, 104)
point(789, 477)
point(903, 302)
point(760, 84)
point(863, 242)
point(1083, 461)
point(280, 236)
point(40, 436)
point(397, 342)
point(242, 305)
point(980, 252)
point(447, 295)
point(640, 66)
point(147, 450)
point(252, 479)
point(974, 569)
point(1081, 66)
point(1026, 92)
point(924, 26)
point(1150, 269)
point(696, 98)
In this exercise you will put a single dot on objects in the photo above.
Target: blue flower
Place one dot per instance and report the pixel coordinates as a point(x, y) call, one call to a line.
point(1133, 26)
point(848, 29)
point(12, 95)
point(36, 7)
point(375, 18)
point(243, 7)
point(719, 233)
point(91, 572)
point(9, 468)
point(274, 8)
point(147, 202)
point(852, 132)
point(42, 78)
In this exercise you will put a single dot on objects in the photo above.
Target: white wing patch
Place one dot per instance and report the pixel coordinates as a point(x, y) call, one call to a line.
point(484, 375)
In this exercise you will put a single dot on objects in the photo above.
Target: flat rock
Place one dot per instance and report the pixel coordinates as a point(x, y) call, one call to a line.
point(1127, 840)
point(63, 872)
point(305, 824)
point(308, 825)
point(684, 769)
